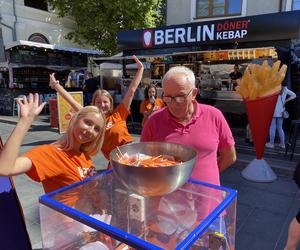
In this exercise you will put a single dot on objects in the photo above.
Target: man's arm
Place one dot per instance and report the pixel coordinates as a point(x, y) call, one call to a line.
point(227, 157)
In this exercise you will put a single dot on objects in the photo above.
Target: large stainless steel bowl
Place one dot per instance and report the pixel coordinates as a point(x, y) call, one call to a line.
point(154, 181)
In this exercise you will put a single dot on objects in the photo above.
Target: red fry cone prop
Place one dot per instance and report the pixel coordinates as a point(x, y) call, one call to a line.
point(260, 112)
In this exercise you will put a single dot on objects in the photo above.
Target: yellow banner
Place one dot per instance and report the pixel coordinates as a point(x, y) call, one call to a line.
point(65, 110)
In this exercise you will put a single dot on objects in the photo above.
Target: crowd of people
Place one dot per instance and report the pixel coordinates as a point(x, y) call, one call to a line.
point(100, 125)
point(116, 131)
point(176, 117)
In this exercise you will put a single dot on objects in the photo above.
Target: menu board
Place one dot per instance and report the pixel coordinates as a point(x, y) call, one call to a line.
point(65, 110)
point(222, 55)
point(262, 53)
point(239, 54)
point(209, 56)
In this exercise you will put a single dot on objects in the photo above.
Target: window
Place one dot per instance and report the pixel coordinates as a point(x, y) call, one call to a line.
point(38, 38)
point(37, 4)
point(218, 8)
point(296, 5)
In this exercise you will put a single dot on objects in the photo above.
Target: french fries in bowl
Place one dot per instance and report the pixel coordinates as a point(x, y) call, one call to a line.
point(152, 168)
point(261, 80)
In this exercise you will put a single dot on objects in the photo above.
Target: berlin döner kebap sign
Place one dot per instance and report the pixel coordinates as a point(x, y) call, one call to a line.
point(276, 26)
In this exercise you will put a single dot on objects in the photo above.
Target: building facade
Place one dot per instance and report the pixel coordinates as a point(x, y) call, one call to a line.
point(187, 11)
point(33, 45)
point(192, 12)
point(34, 20)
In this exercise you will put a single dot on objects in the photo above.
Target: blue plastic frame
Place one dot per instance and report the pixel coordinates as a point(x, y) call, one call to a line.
point(128, 238)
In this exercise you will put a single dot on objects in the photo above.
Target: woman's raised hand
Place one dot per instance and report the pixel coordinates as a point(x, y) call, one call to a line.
point(29, 108)
point(52, 81)
point(127, 100)
point(138, 62)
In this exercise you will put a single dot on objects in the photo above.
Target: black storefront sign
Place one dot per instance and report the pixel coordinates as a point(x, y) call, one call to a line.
point(268, 27)
point(39, 57)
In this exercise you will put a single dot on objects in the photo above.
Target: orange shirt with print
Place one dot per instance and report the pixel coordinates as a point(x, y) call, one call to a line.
point(116, 133)
point(146, 106)
point(56, 168)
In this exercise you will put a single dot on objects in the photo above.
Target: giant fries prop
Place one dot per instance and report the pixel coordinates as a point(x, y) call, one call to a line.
point(259, 87)
point(261, 80)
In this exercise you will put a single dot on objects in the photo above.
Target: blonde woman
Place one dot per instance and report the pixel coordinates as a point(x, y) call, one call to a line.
point(116, 128)
point(66, 161)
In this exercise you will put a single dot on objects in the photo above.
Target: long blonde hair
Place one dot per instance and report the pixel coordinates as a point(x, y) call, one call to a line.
point(66, 142)
point(103, 92)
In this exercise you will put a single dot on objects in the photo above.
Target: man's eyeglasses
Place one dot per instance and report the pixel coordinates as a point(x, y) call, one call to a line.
point(177, 99)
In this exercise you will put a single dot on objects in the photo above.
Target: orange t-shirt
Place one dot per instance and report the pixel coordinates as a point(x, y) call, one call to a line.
point(146, 106)
point(116, 133)
point(56, 168)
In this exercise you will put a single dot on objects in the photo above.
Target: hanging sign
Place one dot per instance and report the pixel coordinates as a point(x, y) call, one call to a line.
point(65, 110)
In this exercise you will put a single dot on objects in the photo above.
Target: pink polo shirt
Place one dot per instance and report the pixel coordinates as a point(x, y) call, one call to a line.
point(206, 132)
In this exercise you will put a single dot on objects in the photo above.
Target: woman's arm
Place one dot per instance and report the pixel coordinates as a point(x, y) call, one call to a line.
point(10, 164)
point(54, 84)
point(127, 100)
point(291, 95)
point(149, 112)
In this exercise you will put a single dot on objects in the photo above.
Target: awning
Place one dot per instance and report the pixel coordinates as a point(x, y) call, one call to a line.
point(111, 66)
point(52, 47)
point(119, 57)
point(108, 65)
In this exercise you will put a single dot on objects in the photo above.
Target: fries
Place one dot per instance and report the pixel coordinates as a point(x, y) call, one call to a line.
point(150, 161)
point(261, 80)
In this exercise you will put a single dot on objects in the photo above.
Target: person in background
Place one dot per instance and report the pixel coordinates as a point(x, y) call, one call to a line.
point(293, 233)
point(236, 74)
point(71, 83)
point(249, 138)
point(151, 103)
point(90, 86)
point(198, 86)
point(277, 120)
point(67, 160)
point(116, 129)
point(294, 227)
point(187, 122)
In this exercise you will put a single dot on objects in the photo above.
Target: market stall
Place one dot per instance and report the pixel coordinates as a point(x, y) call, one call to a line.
point(28, 67)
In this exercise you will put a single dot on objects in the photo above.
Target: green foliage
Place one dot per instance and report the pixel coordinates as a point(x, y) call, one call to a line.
point(98, 21)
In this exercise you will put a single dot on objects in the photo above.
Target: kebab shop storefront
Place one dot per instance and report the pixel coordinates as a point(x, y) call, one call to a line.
point(211, 49)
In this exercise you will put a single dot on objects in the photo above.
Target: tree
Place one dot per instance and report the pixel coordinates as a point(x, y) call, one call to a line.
point(98, 21)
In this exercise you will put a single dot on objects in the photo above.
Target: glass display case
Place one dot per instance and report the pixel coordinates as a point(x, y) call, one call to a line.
point(98, 213)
